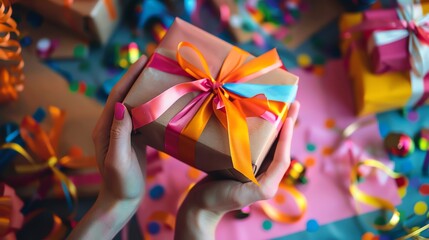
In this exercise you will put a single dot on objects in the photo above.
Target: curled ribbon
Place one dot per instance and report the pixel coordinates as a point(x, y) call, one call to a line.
point(11, 76)
point(377, 202)
point(43, 145)
point(228, 97)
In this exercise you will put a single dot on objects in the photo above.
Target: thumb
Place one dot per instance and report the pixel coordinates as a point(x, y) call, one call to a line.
point(120, 132)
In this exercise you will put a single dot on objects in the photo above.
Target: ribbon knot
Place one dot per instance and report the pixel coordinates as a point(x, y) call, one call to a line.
point(411, 26)
point(227, 96)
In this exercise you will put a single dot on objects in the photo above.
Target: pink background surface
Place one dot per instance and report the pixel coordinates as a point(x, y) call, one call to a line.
point(328, 198)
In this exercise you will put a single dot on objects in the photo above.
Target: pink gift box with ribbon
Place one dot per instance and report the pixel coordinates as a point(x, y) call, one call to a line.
point(387, 36)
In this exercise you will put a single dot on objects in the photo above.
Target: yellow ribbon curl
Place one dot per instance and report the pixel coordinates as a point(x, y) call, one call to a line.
point(11, 63)
point(43, 144)
point(377, 202)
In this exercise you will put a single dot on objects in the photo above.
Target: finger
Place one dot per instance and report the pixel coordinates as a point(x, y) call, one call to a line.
point(294, 110)
point(121, 88)
point(120, 137)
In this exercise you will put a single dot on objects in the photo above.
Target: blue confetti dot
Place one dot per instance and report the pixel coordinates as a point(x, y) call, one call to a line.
point(26, 41)
point(385, 237)
point(156, 192)
point(312, 225)
point(153, 228)
point(414, 182)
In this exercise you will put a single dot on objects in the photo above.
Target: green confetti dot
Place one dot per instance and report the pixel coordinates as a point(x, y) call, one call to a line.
point(90, 91)
point(84, 66)
point(311, 147)
point(267, 225)
point(74, 86)
point(80, 51)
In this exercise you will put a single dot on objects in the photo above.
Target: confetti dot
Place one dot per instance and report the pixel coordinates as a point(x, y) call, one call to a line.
point(367, 236)
point(311, 147)
point(401, 182)
point(402, 192)
point(424, 189)
point(26, 41)
point(327, 151)
point(413, 116)
point(304, 60)
point(74, 86)
point(330, 123)
point(312, 225)
point(43, 45)
point(153, 228)
point(420, 208)
point(318, 70)
point(309, 161)
point(80, 51)
point(235, 21)
point(279, 198)
point(267, 225)
point(150, 48)
point(193, 173)
point(156, 192)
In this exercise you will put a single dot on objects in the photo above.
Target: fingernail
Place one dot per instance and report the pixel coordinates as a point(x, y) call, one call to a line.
point(119, 111)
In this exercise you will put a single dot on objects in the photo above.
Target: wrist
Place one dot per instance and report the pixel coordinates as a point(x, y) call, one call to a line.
point(195, 222)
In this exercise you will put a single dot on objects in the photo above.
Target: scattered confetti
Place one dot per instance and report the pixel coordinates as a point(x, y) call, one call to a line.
point(311, 147)
point(74, 86)
point(367, 236)
point(318, 70)
point(26, 41)
point(80, 51)
point(330, 123)
point(402, 192)
point(401, 181)
point(399, 144)
point(304, 60)
point(415, 182)
point(156, 192)
point(310, 161)
point(413, 116)
point(312, 225)
point(423, 140)
point(153, 228)
point(267, 225)
point(420, 208)
point(327, 151)
point(279, 198)
point(424, 189)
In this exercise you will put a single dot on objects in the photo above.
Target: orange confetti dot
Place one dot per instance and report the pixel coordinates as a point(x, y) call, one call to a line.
point(279, 199)
point(318, 70)
point(367, 236)
point(193, 173)
point(310, 161)
point(330, 123)
point(327, 151)
point(150, 48)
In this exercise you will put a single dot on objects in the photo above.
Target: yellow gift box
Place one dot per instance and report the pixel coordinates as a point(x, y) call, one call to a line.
point(373, 93)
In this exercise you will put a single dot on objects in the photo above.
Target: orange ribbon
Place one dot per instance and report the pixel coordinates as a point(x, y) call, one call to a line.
point(43, 145)
point(235, 108)
point(11, 76)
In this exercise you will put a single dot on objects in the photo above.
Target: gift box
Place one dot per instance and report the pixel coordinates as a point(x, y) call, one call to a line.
point(91, 19)
point(175, 127)
point(378, 92)
point(388, 35)
point(48, 88)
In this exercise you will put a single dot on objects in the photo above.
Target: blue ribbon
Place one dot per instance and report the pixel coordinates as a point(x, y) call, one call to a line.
point(280, 93)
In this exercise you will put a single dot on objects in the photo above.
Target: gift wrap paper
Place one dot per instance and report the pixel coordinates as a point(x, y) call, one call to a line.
point(212, 149)
point(325, 107)
point(91, 19)
point(44, 88)
point(373, 93)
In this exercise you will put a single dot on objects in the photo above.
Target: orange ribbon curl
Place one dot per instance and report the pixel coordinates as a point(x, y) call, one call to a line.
point(43, 145)
point(11, 63)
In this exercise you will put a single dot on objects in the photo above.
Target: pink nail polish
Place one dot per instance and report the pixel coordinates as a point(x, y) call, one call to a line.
point(119, 111)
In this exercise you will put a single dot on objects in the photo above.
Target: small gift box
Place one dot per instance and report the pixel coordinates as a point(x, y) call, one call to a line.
point(210, 104)
point(92, 19)
point(393, 89)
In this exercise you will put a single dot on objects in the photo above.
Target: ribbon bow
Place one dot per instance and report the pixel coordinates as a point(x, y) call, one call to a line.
point(11, 218)
point(414, 25)
point(227, 96)
point(43, 145)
